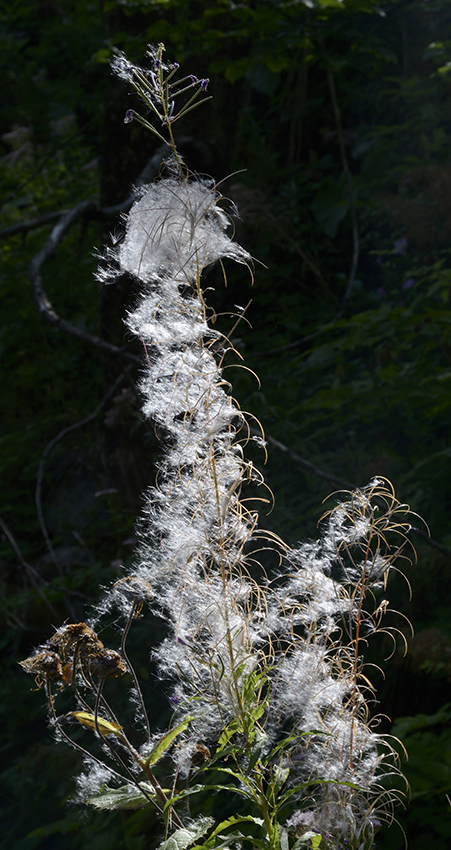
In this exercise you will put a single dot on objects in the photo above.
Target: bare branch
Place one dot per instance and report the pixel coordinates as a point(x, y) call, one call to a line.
point(48, 449)
point(85, 210)
point(42, 301)
point(306, 465)
point(30, 573)
point(351, 194)
point(31, 224)
point(340, 482)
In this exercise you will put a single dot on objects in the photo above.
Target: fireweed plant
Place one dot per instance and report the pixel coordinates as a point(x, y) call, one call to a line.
point(268, 690)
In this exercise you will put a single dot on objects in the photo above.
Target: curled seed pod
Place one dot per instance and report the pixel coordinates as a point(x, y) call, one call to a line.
point(200, 755)
point(107, 663)
point(68, 673)
point(44, 665)
point(76, 634)
point(100, 724)
point(134, 589)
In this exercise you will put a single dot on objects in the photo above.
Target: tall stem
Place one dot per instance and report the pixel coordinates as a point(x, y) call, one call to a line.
point(131, 669)
point(361, 589)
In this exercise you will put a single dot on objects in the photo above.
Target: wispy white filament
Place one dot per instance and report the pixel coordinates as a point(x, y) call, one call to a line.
point(195, 534)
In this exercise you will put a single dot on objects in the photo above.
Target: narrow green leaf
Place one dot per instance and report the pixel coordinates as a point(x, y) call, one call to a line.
point(314, 837)
point(166, 742)
point(216, 840)
point(228, 733)
point(222, 841)
point(148, 126)
point(257, 748)
point(126, 797)
point(198, 789)
point(184, 111)
point(230, 772)
point(332, 4)
point(309, 782)
point(234, 819)
point(280, 777)
point(258, 711)
point(282, 745)
point(220, 755)
point(283, 838)
point(183, 838)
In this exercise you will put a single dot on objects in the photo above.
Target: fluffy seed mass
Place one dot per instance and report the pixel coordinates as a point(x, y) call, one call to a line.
point(268, 670)
point(195, 534)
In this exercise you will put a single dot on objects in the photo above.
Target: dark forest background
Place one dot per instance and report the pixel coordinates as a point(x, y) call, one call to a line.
point(334, 121)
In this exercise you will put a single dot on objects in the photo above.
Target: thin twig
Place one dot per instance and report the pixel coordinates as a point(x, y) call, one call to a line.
point(296, 342)
point(351, 192)
point(48, 449)
point(340, 482)
point(42, 301)
point(105, 740)
point(431, 542)
point(56, 722)
point(78, 132)
point(136, 758)
point(85, 210)
point(131, 669)
point(95, 212)
point(303, 255)
point(31, 224)
point(305, 464)
point(30, 572)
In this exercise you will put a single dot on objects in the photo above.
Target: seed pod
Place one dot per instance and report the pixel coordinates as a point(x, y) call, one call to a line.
point(107, 663)
point(44, 665)
point(105, 727)
point(76, 635)
point(200, 755)
point(133, 589)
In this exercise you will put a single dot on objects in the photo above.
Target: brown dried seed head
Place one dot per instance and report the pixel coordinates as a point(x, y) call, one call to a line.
point(134, 589)
point(200, 755)
point(76, 634)
point(43, 665)
point(68, 673)
point(106, 663)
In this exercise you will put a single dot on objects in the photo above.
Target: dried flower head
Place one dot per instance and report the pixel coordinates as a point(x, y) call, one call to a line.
point(76, 636)
point(43, 665)
point(107, 663)
point(200, 755)
point(133, 589)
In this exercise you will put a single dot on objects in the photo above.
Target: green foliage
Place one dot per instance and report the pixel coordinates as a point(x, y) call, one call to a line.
point(427, 739)
point(183, 838)
point(159, 750)
point(126, 797)
point(312, 837)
